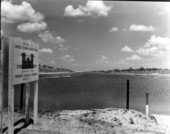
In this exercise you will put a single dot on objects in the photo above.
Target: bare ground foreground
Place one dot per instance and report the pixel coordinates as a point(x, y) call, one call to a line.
point(97, 121)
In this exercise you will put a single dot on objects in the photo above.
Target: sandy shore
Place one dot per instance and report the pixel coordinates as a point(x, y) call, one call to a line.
point(57, 74)
point(97, 121)
point(163, 120)
point(143, 74)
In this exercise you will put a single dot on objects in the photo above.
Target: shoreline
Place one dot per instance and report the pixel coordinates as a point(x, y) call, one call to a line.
point(48, 73)
point(145, 74)
point(57, 74)
point(133, 74)
point(117, 73)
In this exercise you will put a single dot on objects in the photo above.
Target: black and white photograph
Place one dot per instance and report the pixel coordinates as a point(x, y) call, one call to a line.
point(85, 67)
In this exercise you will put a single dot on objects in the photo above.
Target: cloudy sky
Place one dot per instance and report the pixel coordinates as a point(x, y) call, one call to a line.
point(92, 35)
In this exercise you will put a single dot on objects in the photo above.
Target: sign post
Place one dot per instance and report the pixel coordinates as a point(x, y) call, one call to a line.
point(35, 102)
point(27, 103)
point(10, 90)
point(21, 96)
point(1, 83)
point(23, 67)
point(25, 61)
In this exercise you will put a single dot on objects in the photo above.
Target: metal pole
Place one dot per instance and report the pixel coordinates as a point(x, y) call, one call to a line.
point(127, 95)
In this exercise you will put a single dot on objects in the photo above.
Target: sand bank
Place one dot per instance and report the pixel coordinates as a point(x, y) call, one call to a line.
point(97, 121)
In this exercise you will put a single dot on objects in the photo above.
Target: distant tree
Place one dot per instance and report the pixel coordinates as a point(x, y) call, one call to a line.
point(142, 69)
point(130, 69)
point(46, 68)
point(116, 70)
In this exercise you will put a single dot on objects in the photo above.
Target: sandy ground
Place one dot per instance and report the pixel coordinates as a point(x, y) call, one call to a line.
point(97, 121)
point(163, 120)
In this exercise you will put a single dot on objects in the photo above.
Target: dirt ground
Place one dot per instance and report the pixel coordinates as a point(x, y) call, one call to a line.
point(96, 121)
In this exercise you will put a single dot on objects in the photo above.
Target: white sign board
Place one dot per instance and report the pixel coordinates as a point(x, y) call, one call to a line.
point(25, 61)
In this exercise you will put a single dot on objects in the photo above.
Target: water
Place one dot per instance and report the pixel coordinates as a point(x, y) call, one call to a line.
point(92, 90)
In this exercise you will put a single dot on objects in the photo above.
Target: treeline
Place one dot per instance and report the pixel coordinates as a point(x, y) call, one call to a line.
point(46, 68)
point(139, 69)
point(142, 69)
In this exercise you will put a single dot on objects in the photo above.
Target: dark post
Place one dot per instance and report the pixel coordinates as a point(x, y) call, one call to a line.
point(127, 95)
point(21, 96)
point(147, 98)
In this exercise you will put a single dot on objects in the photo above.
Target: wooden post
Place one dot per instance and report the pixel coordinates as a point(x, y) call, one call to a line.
point(10, 91)
point(147, 104)
point(21, 96)
point(10, 109)
point(27, 102)
point(35, 102)
point(127, 95)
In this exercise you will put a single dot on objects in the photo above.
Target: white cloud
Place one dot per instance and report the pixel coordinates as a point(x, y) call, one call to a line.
point(24, 12)
point(92, 8)
point(123, 62)
point(156, 46)
point(63, 48)
point(134, 58)
point(48, 37)
point(141, 28)
point(126, 49)
point(102, 60)
point(30, 27)
point(158, 41)
point(97, 8)
point(46, 50)
point(152, 51)
point(165, 10)
point(70, 11)
point(113, 29)
point(67, 58)
point(11, 13)
point(156, 49)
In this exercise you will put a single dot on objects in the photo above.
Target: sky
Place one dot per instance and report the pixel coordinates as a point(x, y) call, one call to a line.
point(92, 35)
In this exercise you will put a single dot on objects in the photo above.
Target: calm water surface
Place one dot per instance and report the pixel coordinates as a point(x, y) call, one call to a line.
point(102, 91)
